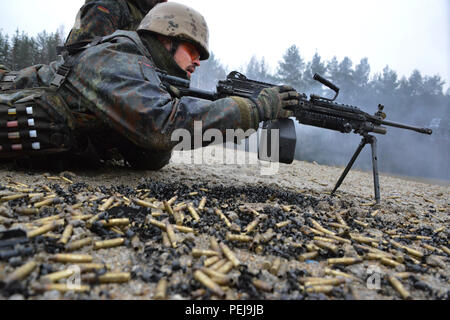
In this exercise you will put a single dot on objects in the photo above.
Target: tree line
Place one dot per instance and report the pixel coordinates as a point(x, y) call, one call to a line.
point(418, 100)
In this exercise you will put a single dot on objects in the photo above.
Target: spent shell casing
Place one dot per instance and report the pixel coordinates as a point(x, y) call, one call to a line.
point(106, 205)
point(44, 203)
point(193, 213)
point(362, 239)
point(22, 272)
point(158, 224)
point(403, 275)
point(226, 268)
point(320, 228)
point(27, 211)
point(325, 282)
point(166, 241)
point(197, 253)
point(115, 277)
point(326, 246)
point(308, 256)
point(63, 288)
point(262, 285)
point(223, 217)
point(67, 233)
point(168, 208)
point(283, 224)
point(202, 204)
point(72, 258)
point(12, 197)
point(184, 229)
point(399, 287)
point(109, 243)
point(315, 231)
point(213, 274)
point(360, 223)
point(145, 204)
point(275, 268)
point(339, 239)
point(338, 273)
point(171, 234)
point(389, 262)
point(214, 245)
point(230, 255)
point(445, 249)
point(42, 230)
point(208, 283)
point(410, 251)
point(210, 261)
point(56, 276)
point(93, 220)
point(172, 201)
point(238, 237)
point(319, 289)
point(216, 266)
point(89, 267)
point(344, 261)
point(75, 245)
point(123, 222)
point(161, 290)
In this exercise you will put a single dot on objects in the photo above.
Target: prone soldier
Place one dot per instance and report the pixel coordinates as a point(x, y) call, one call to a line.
point(108, 94)
point(104, 17)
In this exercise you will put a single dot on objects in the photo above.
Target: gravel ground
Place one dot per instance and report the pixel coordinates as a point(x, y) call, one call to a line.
point(293, 250)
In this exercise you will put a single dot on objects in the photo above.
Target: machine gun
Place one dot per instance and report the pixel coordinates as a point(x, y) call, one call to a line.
point(316, 111)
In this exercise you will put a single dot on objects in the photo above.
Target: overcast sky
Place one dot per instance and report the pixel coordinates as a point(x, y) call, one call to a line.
point(404, 34)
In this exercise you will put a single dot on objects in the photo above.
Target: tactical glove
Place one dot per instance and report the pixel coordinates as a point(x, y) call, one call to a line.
point(271, 102)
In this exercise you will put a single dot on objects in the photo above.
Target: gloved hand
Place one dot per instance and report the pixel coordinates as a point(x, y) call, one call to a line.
point(3, 71)
point(271, 102)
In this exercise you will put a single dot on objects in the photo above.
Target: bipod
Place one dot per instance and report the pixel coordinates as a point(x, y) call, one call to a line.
point(367, 139)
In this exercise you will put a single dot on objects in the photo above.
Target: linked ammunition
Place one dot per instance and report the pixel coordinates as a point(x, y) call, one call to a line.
point(22, 272)
point(399, 287)
point(238, 237)
point(66, 234)
point(56, 276)
point(161, 290)
point(230, 255)
point(171, 235)
point(197, 253)
point(75, 245)
point(109, 243)
point(72, 258)
point(344, 261)
point(208, 283)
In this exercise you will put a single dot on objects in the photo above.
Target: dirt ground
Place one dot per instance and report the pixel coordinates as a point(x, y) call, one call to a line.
point(280, 236)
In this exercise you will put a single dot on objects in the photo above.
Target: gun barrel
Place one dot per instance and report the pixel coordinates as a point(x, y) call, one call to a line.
point(403, 126)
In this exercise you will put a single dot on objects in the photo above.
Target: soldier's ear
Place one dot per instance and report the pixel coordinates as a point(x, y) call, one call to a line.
point(166, 42)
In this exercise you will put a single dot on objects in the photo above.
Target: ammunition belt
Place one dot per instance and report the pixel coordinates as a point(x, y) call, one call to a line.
point(32, 127)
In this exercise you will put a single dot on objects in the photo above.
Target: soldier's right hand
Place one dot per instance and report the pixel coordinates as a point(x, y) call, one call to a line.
point(271, 102)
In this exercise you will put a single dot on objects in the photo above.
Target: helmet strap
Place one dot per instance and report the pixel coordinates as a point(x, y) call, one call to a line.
point(174, 47)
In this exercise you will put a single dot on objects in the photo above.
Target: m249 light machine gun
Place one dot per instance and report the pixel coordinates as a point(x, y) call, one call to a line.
point(316, 111)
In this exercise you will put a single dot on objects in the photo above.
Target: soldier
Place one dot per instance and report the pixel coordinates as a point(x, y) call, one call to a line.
point(104, 17)
point(109, 94)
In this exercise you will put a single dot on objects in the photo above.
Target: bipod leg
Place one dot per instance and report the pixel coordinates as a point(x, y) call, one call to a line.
point(376, 178)
point(350, 164)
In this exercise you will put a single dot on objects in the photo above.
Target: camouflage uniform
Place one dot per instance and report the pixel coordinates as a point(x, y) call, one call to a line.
point(116, 82)
point(104, 17)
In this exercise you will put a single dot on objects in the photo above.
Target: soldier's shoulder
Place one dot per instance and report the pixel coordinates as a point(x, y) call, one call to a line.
point(108, 6)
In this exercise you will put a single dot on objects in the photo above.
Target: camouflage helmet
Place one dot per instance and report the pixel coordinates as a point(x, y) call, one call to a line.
point(179, 21)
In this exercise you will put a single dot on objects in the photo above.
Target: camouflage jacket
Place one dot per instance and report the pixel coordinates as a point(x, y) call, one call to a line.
point(117, 82)
point(104, 17)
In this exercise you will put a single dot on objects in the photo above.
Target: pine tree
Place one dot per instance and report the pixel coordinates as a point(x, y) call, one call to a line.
point(291, 69)
point(208, 74)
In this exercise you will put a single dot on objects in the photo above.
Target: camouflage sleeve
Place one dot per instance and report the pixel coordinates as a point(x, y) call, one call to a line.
point(127, 95)
point(97, 18)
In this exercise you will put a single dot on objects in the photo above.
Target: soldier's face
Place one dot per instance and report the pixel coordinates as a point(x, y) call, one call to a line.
point(187, 57)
